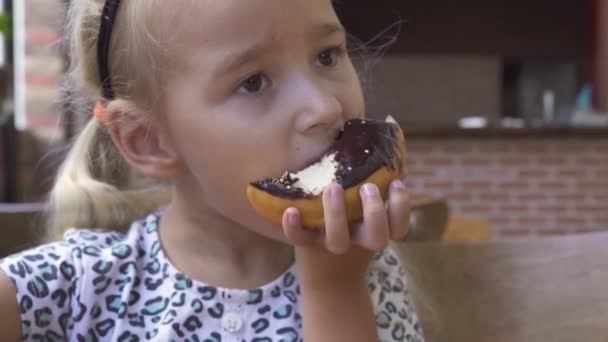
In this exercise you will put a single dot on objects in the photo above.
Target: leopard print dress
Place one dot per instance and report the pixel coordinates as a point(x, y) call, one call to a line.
point(104, 286)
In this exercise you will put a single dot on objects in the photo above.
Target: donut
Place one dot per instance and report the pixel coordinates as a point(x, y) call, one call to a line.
point(365, 151)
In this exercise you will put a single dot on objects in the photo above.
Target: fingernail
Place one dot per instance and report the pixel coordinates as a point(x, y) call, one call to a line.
point(292, 218)
point(397, 184)
point(369, 189)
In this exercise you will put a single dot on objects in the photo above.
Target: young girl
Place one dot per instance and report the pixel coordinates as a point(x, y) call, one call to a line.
point(203, 97)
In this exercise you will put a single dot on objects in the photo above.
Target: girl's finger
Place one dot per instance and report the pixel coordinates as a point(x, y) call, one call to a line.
point(398, 210)
point(293, 230)
point(337, 236)
point(374, 234)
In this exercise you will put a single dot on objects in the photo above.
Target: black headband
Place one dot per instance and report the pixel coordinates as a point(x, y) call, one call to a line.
point(108, 16)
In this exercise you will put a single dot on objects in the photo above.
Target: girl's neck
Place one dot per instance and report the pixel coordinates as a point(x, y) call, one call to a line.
point(209, 248)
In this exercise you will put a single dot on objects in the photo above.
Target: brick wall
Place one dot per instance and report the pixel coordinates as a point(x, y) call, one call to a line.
point(532, 186)
point(44, 66)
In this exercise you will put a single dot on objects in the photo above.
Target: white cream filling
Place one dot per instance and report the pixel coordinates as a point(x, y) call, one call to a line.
point(317, 176)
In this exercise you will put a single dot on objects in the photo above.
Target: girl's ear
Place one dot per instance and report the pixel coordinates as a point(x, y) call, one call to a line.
point(143, 145)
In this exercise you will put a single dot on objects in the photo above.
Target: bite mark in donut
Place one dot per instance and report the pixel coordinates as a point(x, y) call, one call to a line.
point(365, 151)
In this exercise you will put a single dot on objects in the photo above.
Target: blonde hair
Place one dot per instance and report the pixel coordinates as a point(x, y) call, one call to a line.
point(95, 187)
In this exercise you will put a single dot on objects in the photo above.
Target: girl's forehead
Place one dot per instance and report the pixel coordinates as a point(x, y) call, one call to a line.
point(226, 24)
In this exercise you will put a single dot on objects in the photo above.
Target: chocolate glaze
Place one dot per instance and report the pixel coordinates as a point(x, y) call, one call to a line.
point(364, 146)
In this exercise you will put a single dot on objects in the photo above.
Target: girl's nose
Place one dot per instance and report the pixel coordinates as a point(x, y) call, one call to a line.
point(319, 109)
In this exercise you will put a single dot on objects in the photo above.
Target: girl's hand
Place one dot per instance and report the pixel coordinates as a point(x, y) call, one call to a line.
point(341, 251)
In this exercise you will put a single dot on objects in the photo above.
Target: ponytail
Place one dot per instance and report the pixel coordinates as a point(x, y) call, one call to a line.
point(95, 188)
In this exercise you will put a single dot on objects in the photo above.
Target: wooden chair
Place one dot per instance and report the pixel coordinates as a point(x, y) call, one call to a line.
point(536, 289)
point(18, 229)
point(428, 219)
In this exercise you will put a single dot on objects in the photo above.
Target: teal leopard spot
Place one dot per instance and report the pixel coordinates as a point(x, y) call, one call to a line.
point(291, 296)
point(153, 267)
point(89, 337)
point(87, 236)
point(398, 286)
point(207, 292)
point(381, 297)
point(137, 320)
point(43, 317)
point(288, 335)
point(48, 272)
point(151, 334)
point(217, 311)
point(20, 269)
point(104, 327)
point(96, 311)
point(255, 297)
point(193, 323)
point(59, 297)
point(101, 283)
point(276, 292)
point(26, 328)
point(169, 317)
point(115, 304)
point(151, 227)
point(121, 251)
point(289, 279)
point(391, 260)
point(383, 320)
point(155, 249)
point(64, 320)
point(261, 339)
point(38, 288)
point(79, 313)
point(197, 306)
point(67, 270)
point(283, 311)
point(128, 268)
point(155, 306)
point(121, 283)
point(179, 299)
point(134, 297)
point(112, 239)
point(102, 267)
point(26, 304)
point(153, 284)
point(92, 251)
point(76, 253)
point(260, 325)
point(399, 332)
point(182, 282)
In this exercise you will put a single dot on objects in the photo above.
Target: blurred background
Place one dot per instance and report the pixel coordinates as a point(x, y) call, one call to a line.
point(503, 103)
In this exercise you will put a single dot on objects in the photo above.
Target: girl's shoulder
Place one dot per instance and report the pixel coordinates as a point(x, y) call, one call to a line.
point(58, 283)
point(80, 251)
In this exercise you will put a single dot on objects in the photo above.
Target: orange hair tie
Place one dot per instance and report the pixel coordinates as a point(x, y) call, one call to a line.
point(99, 111)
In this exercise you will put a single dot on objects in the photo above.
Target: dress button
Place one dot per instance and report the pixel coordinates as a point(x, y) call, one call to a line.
point(232, 323)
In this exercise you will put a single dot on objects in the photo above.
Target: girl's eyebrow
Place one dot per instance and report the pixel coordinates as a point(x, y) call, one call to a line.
point(235, 60)
point(327, 29)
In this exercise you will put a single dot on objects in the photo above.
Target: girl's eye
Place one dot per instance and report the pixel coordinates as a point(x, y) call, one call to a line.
point(329, 57)
point(253, 85)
